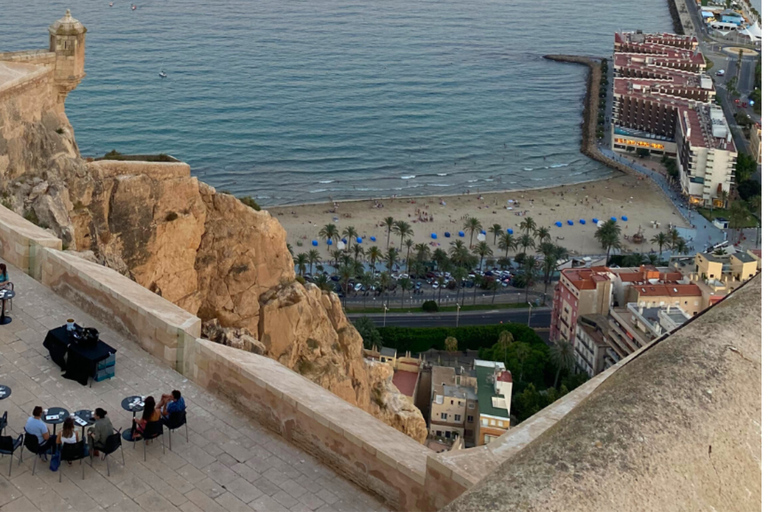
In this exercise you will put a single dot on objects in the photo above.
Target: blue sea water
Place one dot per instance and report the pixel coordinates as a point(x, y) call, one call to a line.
point(295, 101)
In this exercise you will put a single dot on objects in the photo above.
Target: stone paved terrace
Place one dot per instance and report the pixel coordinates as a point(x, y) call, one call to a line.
point(229, 463)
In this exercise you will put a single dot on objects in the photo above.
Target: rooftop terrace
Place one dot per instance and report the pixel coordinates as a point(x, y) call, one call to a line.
point(229, 464)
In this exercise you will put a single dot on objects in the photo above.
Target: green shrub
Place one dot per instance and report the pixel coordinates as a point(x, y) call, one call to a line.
point(301, 280)
point(249, 201)
point(471, 337)
point(430, 306)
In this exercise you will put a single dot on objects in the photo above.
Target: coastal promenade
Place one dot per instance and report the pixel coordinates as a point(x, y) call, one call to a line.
point(229, 464)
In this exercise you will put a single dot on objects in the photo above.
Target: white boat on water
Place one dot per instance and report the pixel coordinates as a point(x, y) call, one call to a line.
point(163, 74)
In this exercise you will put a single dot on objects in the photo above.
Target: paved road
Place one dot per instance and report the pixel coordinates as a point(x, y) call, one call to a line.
point(539, 318)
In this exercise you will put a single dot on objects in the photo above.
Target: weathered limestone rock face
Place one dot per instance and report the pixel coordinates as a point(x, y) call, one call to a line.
point(206, 252)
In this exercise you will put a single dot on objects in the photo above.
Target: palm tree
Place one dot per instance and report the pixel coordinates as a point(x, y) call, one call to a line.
point(528, 225)
point(329, 232)
point(526, 241)
point(460, 274)
point(530, 266)
point(313, 258)
point(403, 228)
point(423, 252)
point(552, 254)
point(440, 257)
point(543, 234)
point(458, 252)
point(391, 258)
point(662, 239)
point(301, 262)
point(350, 233)
point(357, 251)
point(389, 222)
point(290, 248)
point(674, 236)
point(346, 272)
point(496, 230)
point(482, 250)
point(681, 247)
point(384, 281)
point(443, 266)
point(374, 255)
point(336, 254)
point(405, 284)
point(754, 204)
point(408, 245)
point(609, 236)
point(366, 280)
point(506, 243)
point(520, 351)
point(561, 354)
point(472, 224)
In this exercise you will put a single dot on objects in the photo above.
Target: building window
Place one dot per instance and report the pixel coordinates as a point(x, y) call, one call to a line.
point(451, 402)
point(484, 421)
point(457, 417)
point(487, 439)
point(493, 423)
point(439, 433)
point(471, 405)
point(459, 402)
point(443, 415)
point(470, 419)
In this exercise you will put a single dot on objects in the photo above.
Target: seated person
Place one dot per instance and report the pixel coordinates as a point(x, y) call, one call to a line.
point(150, 414)
point(171, 403)
point(35, 426)
point(4, 282)
point(68, 434)
point(100, 431)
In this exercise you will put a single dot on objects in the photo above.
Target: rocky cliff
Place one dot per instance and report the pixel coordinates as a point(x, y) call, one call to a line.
point(205, 251)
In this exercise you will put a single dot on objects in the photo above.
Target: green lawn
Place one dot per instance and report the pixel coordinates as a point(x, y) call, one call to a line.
point(726, 214)
point(467, 307)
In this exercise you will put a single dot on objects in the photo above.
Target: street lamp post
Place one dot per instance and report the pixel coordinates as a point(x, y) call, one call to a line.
point(530, 307)
point(458, 308)
point(385, 314)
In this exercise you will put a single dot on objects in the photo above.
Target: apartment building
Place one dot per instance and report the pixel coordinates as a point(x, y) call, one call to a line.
point(454, 411)
point(604, 340)
point(591, 348)
point(593, 291)
point(663, 103)
point(494, 396)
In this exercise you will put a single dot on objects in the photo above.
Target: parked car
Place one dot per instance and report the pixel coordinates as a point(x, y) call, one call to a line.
point(358, 287)
point(720, 72)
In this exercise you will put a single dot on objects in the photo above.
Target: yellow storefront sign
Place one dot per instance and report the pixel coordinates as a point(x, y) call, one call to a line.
point(640, 143)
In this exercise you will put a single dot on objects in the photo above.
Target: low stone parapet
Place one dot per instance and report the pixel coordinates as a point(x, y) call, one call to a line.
point(156, 170)
point(375, 456)
point(21, 242)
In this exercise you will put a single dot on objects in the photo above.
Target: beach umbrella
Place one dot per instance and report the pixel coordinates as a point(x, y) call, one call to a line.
point(613, 219)
point(329, 242)
point(344, 240)
point(481, 237)
point(434, 236)
point(314, 243)
point(461, 234)
point(595, 221)
point(447, 234)
point(624, 218)
point(482, 232)
point(570, 223)
point(359, 240)
point(509, 230)
point(373, 239)
point(559, 224)
point(582, 221)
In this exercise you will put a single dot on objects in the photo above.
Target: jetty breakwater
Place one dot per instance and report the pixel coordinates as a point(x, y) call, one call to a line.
point(591, 114)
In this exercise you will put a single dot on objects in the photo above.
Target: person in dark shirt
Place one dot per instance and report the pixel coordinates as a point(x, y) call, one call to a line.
point(100, 431)
point(171, 403)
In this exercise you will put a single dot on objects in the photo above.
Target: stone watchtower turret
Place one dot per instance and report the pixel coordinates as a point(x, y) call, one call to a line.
point(68, 43)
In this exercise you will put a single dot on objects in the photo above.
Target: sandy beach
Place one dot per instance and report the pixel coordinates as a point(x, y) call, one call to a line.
point(637, 199)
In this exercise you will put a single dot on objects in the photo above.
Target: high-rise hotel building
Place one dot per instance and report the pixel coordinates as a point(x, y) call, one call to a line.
point(663, 102)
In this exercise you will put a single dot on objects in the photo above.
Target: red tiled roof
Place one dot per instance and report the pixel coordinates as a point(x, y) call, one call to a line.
point(504, 376)
point(405, 382)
